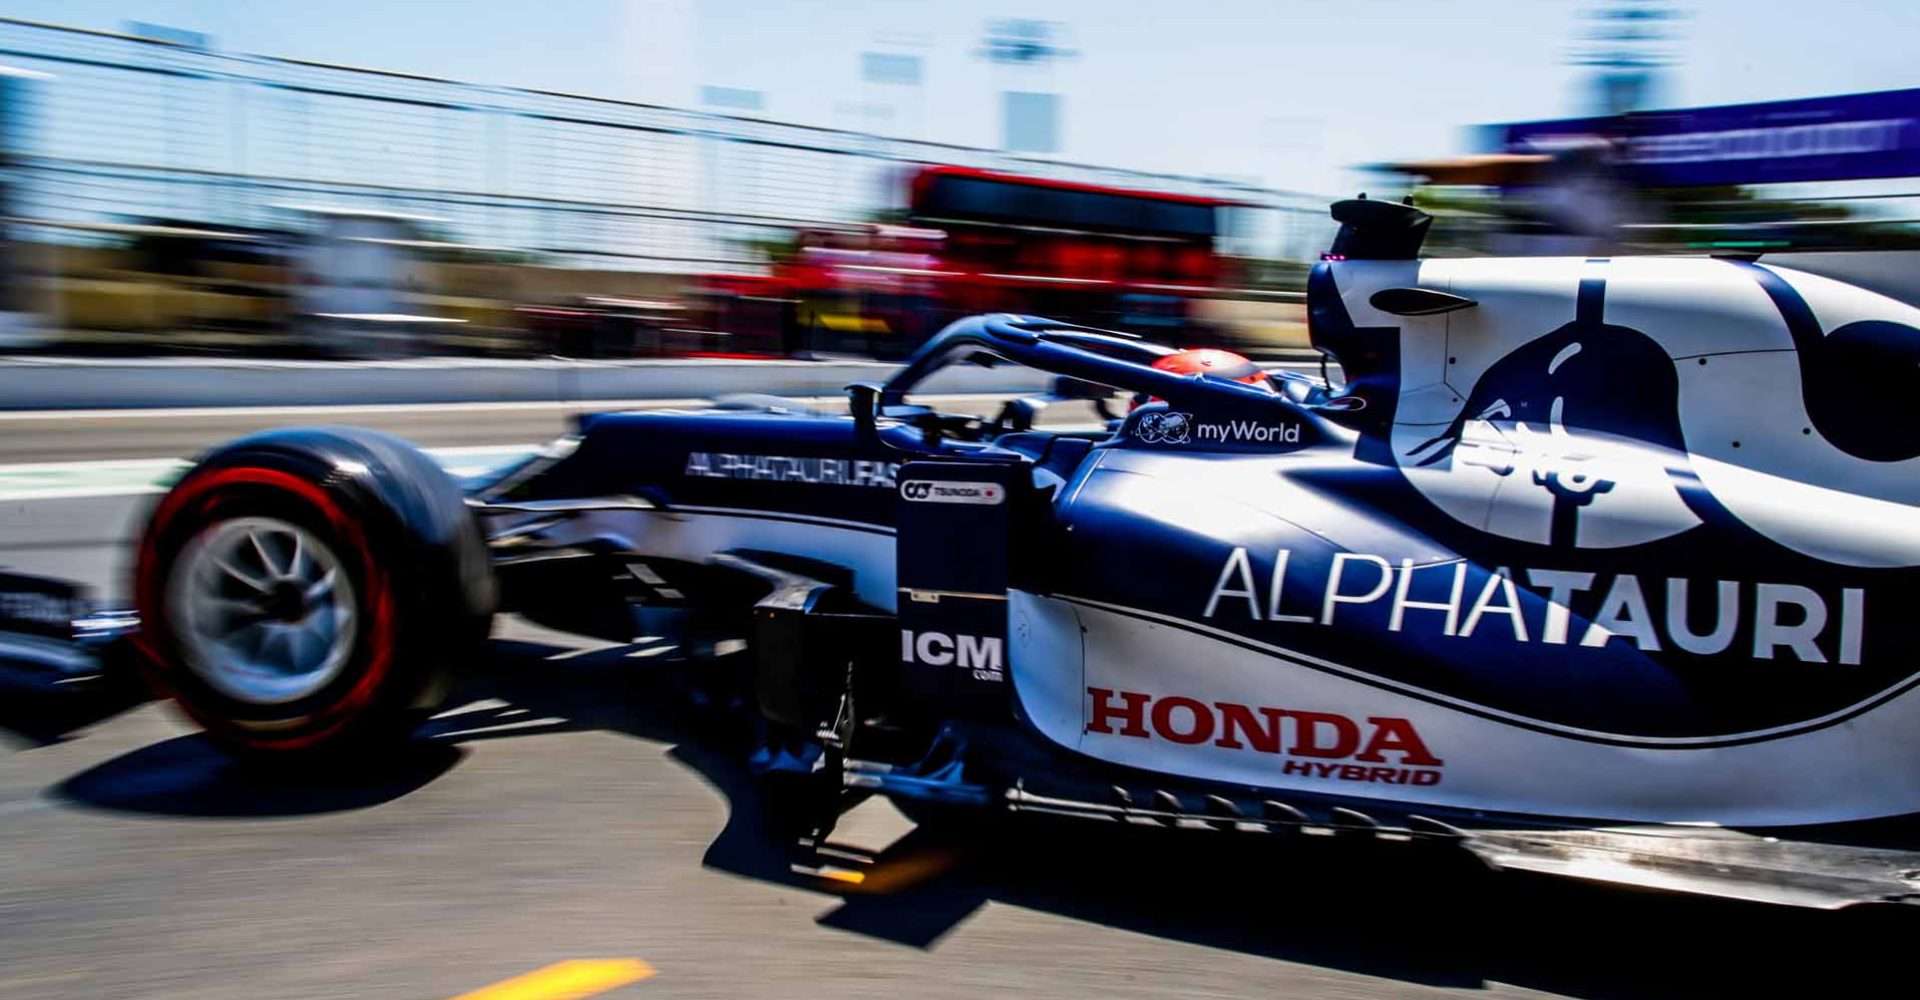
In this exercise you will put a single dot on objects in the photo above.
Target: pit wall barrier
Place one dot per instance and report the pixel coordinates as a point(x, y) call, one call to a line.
point(61, 384)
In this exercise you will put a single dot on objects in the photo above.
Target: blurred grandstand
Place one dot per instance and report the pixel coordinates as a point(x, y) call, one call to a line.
point(163, 196)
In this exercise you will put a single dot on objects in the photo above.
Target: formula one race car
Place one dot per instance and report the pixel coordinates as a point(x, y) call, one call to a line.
point(1600, 567)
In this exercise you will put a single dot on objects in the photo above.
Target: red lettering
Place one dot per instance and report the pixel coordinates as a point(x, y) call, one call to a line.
point(1265, 739)
point(1322, 735)
point(1397, 735)
point(1202, 729)
point(1307, 726)
point(1129, 712)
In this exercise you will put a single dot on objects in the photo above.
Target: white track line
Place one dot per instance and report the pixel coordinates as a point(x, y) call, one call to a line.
point(143, 476)
point(78, 493)
point(582, 405)
point(183, 412)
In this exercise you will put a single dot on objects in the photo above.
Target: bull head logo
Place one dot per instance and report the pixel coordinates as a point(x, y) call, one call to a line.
point(1552, 415)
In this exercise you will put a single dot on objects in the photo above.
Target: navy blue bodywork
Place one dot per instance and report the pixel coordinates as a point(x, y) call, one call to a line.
point(1091, 538)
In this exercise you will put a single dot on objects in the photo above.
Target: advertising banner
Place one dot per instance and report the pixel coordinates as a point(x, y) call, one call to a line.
point(1847, 137)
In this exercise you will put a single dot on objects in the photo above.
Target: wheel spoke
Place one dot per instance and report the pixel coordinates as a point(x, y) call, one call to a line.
point(322, 630)
point(241, 575)
point(241, 612)
point(296, 641)
point(281, 637)
point(259, 640)
point(296, 562)
point(266, 561)
point(320, 588)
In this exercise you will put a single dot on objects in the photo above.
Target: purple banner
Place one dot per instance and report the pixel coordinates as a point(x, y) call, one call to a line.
point(1850, 137)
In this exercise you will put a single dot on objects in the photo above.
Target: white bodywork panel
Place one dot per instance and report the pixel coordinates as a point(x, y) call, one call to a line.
point(1860, 768)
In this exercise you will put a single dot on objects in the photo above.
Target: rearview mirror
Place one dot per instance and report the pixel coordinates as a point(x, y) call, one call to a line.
point(1020, 414)
point(863, 401)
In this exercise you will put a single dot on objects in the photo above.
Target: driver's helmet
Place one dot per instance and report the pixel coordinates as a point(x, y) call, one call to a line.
point(1209, 361)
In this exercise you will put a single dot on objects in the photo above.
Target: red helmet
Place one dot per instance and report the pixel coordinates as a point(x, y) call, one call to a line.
point(1208, 361)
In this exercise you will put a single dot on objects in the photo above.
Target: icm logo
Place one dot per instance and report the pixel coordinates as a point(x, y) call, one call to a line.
point(983, 655)
point(933, 491)
point(1165, 427)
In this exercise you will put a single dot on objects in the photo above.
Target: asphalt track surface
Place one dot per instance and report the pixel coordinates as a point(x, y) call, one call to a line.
point(578, 804)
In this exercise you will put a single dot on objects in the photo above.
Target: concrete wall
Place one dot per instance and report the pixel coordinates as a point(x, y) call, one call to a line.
point(53, 384)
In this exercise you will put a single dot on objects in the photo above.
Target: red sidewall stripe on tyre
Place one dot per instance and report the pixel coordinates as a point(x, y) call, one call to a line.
point(198, 489)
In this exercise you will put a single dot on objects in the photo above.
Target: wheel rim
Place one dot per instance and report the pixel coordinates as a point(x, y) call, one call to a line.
point(262, 609)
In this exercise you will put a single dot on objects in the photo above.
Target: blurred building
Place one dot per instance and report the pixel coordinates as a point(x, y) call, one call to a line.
point(978, 241)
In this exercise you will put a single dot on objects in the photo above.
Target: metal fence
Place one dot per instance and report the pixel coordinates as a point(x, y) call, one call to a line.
point(123, 129)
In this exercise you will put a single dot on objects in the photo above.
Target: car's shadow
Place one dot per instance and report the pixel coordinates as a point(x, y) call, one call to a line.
point(39, 714)
point(188, 776)
point(1435, 919)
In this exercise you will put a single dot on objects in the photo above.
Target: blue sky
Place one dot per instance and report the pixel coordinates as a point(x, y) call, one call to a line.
point(1290, 93)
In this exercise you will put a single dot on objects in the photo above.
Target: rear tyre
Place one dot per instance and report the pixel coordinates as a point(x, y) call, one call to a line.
point(309, 594)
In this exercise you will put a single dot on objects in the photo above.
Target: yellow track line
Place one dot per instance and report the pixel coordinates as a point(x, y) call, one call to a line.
point(569, 980)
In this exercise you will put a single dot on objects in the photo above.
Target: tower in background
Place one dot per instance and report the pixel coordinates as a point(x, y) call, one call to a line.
point(1024, 53)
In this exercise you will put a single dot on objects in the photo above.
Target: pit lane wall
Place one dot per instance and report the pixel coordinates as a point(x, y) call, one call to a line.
point(67, 383)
